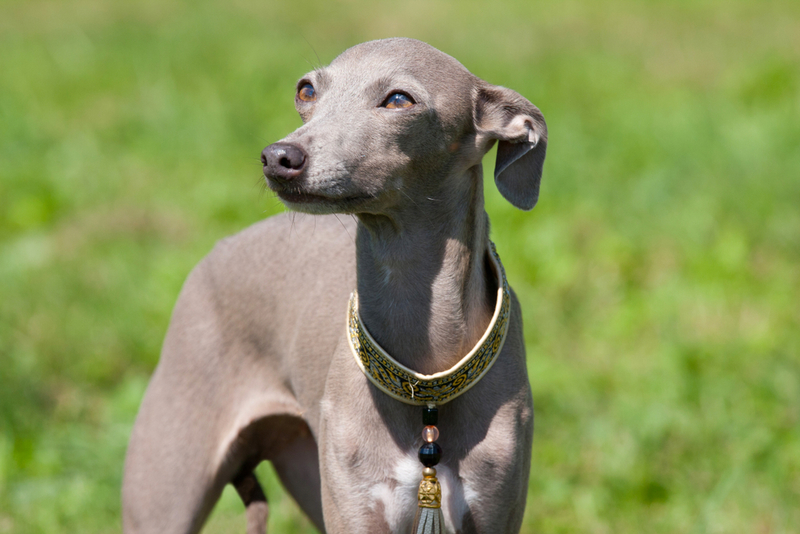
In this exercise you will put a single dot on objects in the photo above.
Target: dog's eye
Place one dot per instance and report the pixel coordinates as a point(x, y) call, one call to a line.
point(398, 101)
point(307, 93)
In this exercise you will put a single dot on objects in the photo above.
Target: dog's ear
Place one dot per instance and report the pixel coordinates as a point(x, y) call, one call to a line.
point(506, 116)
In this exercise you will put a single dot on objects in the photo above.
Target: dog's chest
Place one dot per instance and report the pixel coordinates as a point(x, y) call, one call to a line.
point(371, 472)
point(396, 497)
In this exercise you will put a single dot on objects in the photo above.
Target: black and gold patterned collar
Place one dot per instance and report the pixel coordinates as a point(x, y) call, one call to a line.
point(411, 387)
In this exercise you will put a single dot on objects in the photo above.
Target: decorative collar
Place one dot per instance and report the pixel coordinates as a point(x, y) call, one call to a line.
point(411, 387)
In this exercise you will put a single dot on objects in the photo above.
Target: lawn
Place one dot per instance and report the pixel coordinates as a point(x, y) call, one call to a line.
point(659, 275)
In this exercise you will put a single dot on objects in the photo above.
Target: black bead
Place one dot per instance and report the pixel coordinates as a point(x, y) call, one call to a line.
point(430, 454)
point(430, 415)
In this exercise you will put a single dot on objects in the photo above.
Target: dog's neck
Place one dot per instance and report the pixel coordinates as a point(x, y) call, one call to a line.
point(426, 293)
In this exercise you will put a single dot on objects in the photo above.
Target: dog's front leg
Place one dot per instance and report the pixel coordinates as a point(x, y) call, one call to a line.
point(368, 478)
point(214, 408)
point(172, 477)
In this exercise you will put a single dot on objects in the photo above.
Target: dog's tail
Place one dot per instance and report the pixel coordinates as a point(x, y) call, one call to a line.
point(255, 502)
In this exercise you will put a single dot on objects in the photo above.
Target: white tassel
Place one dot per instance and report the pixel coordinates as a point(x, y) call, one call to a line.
point(429, 518)
point(429, 521)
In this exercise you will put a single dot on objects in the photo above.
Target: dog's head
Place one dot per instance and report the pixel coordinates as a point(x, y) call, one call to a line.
point(396, 120)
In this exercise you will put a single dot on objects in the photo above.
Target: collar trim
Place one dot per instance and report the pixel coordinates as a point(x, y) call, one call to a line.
point(410, 387)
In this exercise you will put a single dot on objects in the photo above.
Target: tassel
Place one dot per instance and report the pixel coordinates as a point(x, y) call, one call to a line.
point(429, 518)
point(429, 521)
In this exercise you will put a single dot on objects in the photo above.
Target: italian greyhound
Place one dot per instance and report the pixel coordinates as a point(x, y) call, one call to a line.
point(256, 364)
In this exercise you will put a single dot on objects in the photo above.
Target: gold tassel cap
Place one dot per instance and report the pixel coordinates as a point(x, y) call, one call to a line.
point(429, 518)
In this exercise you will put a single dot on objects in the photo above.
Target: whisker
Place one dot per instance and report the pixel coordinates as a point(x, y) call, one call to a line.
point(345, 227)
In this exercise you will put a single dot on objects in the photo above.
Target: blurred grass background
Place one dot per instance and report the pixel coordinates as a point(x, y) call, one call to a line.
point(659, 274)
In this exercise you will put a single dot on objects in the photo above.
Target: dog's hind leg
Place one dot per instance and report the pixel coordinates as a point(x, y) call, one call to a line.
point(254, 500)
point(286, 441)
point(297, 465)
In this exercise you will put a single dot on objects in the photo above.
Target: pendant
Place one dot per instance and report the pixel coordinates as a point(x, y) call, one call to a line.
point(429, 518)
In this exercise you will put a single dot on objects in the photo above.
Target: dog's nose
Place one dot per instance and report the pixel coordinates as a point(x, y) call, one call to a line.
point(283, 161)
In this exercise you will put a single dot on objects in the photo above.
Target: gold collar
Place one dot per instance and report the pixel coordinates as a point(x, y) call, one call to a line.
point(411, 387)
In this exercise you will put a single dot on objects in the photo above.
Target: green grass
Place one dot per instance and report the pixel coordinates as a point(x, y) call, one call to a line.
point(659, 275)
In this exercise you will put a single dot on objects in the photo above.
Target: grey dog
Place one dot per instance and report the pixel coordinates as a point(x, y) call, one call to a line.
point(256, 363)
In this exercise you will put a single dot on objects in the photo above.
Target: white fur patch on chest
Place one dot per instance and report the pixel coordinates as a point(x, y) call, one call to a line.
point(400, 501)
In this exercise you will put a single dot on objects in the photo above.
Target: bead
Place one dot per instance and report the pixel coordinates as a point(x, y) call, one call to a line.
point(430, 454)
point(430, 433)
point(429, 472)
point(430, 415)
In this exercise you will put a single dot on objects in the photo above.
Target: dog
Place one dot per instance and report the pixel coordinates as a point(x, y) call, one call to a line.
point(258, 363)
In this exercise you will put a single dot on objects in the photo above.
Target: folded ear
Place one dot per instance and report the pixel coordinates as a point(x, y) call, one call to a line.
point(506, 116)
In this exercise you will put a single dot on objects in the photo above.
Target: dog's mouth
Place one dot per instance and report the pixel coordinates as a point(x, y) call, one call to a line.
point(295, 193)
point(301, 201)
point(299, 197)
